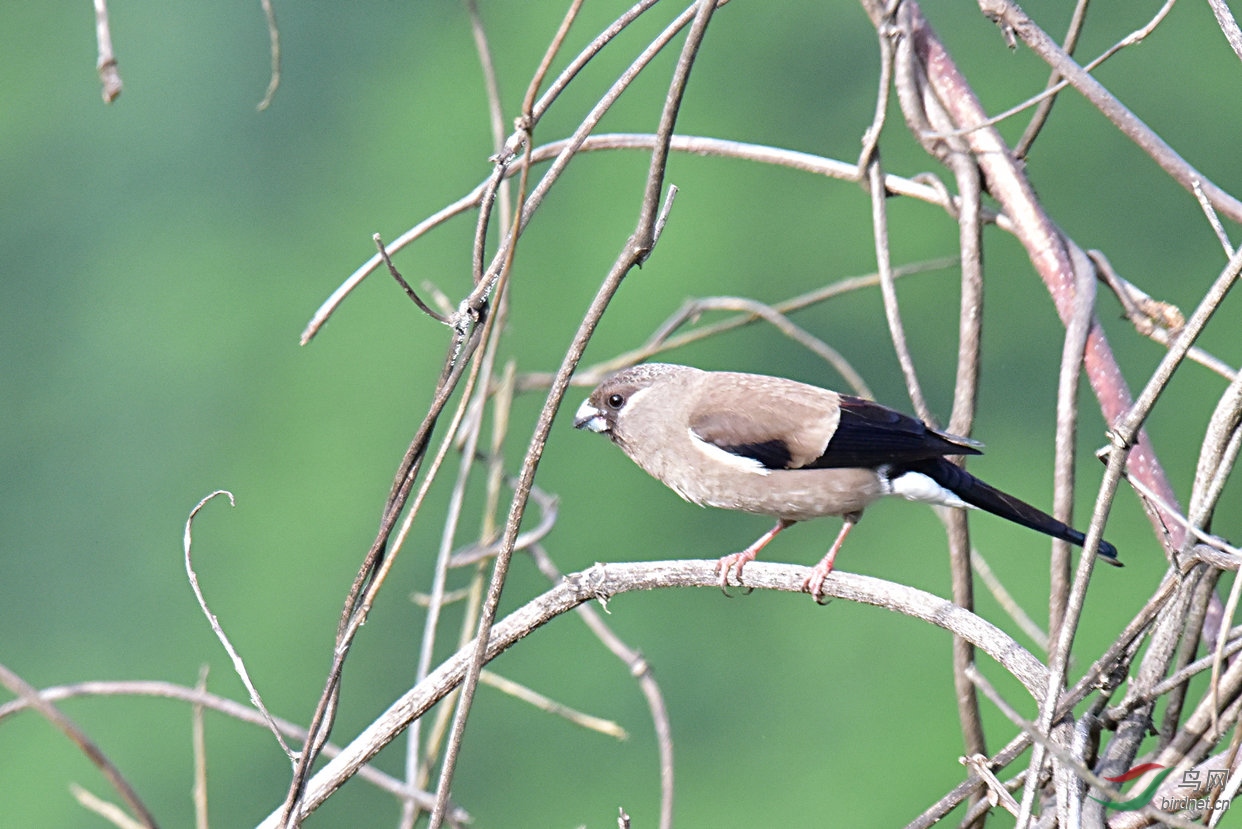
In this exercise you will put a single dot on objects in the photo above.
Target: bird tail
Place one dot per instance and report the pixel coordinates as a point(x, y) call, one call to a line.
point(979, 494)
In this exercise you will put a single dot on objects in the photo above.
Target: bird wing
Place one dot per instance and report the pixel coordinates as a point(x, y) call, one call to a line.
point(869, 434)
point(783, 424)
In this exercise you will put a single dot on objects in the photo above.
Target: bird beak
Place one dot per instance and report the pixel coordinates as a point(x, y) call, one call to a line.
point(589, 417)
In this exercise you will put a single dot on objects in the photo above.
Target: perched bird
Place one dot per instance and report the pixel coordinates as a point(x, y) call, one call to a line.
point(778, 447)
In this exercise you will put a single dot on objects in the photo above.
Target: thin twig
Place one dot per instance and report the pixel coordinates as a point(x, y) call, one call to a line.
point(786, 326)
point(524, 693)
point(198, 740)
point(497, 183)
point(1224, 18)
point(1007, 602)
point(30, 695)
point(638, 248)
point(1128, 428)
point(575, 66)
point(109, 74)
point(325, 311)
point(1233, 644)
point(962, 415)
point(1213, 217)
point(998, 792)
point(227, 707)
point(1218, 654)
point(1135, 37)
point(1073, 351)
point(871, 135)
point(405, 286)
point(892, 311)
point(638, 668)
point(273, 40)
point(239, 666)
point(666, 339)
point(108, 811)
point(1157, 320)
point(666, 210)
point(1129, 124)
point(1023, 147)
point(547, 520)
point(1230, 556)
point(440, 575)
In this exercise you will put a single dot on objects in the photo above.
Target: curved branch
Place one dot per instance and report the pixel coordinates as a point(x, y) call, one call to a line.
point(228, 707)
point(28, 694)
point(604, 581)
point(693, 144)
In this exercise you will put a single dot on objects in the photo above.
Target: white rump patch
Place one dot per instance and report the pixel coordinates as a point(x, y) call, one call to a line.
point(717, 455)
point(915, 486)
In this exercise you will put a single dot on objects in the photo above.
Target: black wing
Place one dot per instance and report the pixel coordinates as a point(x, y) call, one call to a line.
point(870, 434)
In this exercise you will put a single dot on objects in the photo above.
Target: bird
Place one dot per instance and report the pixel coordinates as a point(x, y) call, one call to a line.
point(792, 451)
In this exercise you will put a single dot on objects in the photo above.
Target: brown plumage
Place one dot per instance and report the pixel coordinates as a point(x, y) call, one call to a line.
point(789, 450)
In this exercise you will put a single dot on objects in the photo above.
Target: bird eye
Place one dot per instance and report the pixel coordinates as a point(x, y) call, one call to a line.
point(616, 401)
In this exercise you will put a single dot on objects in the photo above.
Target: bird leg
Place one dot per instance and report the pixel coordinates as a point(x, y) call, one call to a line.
point(815, 582)
point(739, 560)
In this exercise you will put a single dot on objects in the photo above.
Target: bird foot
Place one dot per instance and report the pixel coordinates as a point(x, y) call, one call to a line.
point(734, 561)
point(739, 560)
point(814, 583)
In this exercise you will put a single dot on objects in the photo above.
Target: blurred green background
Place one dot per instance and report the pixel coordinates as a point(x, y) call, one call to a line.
point(161, 256)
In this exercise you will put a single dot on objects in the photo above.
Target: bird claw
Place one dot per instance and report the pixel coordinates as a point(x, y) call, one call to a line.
point(814, 583)
point(729, 562)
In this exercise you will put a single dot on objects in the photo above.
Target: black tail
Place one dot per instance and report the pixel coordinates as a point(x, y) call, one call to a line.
point(976, 493)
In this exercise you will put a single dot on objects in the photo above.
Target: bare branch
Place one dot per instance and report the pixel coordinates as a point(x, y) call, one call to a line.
point(636, 250)
point(273, 40)
point(1126, 121)
point(198, 740)
point(1054, 84)
point(108, 811)
point(605, 581)
point(1228, 25)
point(639, 668)
point(109, 74)
point(30, 696)
point(405, 286)
point(239, 666)
point(537, 700)
point(227, 707)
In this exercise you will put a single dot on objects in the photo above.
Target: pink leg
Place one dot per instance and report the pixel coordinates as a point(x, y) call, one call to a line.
point(815, 582)
point(739, 560)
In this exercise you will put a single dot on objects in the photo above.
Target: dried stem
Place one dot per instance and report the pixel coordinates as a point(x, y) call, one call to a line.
point(106, 66)
point(273, 40)
point(239, 666)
